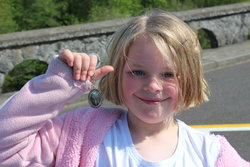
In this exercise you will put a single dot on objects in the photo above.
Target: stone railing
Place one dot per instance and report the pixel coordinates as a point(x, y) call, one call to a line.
point(228, 24)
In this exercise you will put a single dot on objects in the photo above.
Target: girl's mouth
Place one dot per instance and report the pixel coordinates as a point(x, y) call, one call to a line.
point(152, 101)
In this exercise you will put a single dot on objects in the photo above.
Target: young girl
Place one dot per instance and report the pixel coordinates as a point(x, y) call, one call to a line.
point(155, 72)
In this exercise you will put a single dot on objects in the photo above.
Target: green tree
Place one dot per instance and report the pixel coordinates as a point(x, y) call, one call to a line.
point(155, 3)
point(113, 9)
point(22, 73)
point(7, 23)
point(33, 14)
point(18, 15)
point(67, 16)
point(77, 11)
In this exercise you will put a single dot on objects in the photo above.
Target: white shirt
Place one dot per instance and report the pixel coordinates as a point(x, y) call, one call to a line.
point(194, 149)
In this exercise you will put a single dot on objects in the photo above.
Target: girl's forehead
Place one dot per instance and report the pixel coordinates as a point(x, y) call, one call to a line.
point(138, 58)
point(144, 51)
point(155, 62)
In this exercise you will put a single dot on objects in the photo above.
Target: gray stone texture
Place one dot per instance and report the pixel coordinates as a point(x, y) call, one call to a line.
point(1, 79)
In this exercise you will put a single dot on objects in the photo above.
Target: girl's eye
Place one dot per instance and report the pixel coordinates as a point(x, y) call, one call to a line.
point(138, 73)
point(168, 75)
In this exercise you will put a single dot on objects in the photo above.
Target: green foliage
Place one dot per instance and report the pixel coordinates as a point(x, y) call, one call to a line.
point(75, 11)
point(248, 36)
point(19, 15)
point(7, 23)
point(113, 9)
point(22, 73)
point(155, 3)
point(204, 39)
point(67, 17)
point(34, 14)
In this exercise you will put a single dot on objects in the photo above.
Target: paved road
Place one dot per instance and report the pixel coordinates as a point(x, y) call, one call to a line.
point(229, 104)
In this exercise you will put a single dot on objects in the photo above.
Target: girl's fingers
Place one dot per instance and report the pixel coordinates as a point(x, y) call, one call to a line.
point(67, 57)
point(85, 66)
point(92, 66)
point(77, 66)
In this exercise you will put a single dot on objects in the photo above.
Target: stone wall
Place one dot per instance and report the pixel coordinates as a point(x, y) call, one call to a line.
point(230, 24)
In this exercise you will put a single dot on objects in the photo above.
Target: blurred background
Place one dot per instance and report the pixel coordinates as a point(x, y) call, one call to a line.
point(20, 15)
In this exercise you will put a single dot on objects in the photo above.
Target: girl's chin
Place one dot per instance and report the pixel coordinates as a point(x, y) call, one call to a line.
point(154, 116)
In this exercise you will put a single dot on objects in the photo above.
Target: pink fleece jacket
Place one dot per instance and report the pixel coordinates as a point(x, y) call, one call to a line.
point(32, 133)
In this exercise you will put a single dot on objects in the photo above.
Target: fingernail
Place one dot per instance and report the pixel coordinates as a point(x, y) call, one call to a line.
point(83, 77)
point(77, 77)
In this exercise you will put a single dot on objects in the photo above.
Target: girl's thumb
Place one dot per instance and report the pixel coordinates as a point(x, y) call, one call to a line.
point(101, 72)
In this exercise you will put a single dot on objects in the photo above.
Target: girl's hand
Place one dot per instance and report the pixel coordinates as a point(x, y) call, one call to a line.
point(84, 66)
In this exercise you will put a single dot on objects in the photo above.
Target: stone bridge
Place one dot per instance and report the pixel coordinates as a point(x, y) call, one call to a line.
point(225, 25)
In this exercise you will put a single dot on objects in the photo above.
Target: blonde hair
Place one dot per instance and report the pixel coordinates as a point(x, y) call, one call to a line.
point(167, 31)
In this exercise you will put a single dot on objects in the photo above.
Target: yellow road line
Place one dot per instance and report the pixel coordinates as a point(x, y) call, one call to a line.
point(220, 126)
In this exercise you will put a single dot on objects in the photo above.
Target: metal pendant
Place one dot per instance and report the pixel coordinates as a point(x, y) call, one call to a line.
point(95, 98)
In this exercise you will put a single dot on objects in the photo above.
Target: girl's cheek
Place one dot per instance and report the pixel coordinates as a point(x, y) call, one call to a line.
point(129, 84)
point(172, 89)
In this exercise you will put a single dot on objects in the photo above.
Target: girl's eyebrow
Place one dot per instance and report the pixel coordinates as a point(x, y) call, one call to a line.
point(136, 65)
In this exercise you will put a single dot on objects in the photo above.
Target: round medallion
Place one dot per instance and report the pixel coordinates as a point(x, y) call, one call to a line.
point(95, 98)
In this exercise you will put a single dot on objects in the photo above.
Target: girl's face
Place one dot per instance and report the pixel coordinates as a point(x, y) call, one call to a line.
point(149, 87)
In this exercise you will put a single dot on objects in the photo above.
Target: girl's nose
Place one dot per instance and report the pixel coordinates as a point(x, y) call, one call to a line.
point(153, 85)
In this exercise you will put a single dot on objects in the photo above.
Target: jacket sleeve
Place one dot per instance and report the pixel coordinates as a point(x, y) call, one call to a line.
point(228, 156)
point(29, 126)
